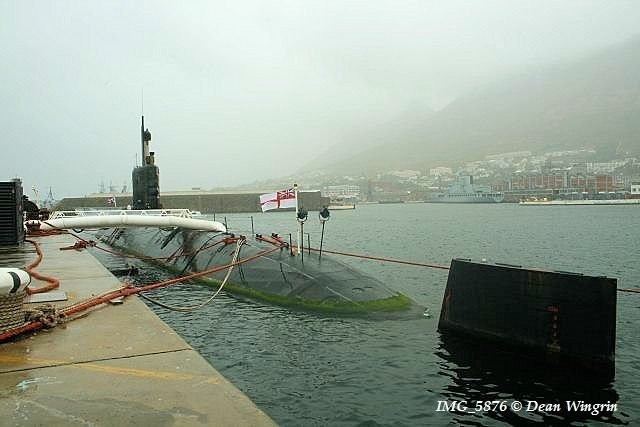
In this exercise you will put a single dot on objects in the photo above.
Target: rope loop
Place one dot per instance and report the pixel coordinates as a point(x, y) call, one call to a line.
point(47, 314)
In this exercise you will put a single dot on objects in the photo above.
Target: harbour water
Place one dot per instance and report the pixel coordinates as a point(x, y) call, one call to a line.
point(310, 369)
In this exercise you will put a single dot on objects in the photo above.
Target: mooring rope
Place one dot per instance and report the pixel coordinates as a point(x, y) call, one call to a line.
point(90, 243)
point(124, 292)
point(132, 290)
point(53, 282)
point(375, 258)
point(11, 310)
point(142, 257)
point(189, 308)
point(420, 264)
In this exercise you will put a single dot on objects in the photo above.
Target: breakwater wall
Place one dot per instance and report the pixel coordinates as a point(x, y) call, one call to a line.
point(203, 202)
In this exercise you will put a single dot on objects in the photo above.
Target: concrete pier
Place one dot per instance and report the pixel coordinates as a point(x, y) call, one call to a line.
point(203, 201)
point(118, 365)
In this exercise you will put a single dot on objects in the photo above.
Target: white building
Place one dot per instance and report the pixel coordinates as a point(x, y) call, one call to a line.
point(440, 171)
point(345, 191)
point(508, 156)
point(405, 174)
point(635, 188)
point(604, 167)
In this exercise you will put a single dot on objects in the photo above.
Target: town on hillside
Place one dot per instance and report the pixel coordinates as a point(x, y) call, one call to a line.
point(521, 175)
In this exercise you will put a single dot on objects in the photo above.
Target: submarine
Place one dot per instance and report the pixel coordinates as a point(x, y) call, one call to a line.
point(274, 274)
point(278, 272)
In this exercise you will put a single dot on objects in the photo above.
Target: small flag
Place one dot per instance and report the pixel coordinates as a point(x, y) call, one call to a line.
point(278, 200)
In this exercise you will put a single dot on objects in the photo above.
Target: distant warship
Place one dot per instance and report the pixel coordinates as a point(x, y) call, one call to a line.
point(463, 190)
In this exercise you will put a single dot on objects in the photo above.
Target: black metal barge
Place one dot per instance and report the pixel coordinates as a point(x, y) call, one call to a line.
point(567, 319)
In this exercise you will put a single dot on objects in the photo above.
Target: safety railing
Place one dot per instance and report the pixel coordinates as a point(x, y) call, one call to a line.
point(180, 213)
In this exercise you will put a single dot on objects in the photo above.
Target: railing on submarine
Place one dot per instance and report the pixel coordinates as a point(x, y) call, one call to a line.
point(180, 213)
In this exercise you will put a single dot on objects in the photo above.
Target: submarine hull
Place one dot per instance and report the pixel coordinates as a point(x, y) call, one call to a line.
point(317, 284)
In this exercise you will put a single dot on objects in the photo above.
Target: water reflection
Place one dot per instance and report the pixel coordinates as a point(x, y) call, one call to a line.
point(481, 372)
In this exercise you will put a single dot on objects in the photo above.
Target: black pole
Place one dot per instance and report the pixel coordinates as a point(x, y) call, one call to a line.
point(321, 240)
point(290, 246)
point(309, 243)
point(142, 141)
point(302, 241)
point(225, 223)
point(252, 230)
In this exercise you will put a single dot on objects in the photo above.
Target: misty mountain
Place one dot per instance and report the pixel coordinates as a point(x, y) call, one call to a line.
point(357, 141)
point(592, 102)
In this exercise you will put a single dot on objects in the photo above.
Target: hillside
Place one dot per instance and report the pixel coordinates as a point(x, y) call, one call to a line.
point(592, 102)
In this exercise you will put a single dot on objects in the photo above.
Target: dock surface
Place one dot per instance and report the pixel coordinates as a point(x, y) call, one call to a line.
point(118, 365)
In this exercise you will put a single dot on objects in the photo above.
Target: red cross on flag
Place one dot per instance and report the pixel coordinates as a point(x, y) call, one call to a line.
point(278, 200)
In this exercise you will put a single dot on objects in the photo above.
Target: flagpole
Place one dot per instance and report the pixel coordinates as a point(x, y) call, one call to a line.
point(295, 191)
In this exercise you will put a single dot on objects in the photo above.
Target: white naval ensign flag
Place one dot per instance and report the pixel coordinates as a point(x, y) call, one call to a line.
point(278, 200)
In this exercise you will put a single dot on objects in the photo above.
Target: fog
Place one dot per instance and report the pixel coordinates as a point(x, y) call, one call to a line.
point(240, 91)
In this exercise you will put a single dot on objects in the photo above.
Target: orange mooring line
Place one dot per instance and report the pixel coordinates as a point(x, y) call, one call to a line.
point(420, 264)
point(132, 290)
point(53, 282)
point(123, 292)
point(375, 258)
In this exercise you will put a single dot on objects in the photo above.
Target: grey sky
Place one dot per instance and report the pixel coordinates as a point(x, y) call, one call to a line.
point(237, 91)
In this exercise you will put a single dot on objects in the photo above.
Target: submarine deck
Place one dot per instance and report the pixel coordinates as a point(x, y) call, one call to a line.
point(118, 365)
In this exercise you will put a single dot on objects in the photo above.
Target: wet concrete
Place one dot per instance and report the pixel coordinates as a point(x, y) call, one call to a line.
point(120, 364)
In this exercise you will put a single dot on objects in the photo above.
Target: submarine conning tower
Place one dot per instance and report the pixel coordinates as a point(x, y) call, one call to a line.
point(146, 178)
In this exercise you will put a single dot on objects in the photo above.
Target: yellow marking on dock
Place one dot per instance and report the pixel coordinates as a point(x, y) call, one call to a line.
point(32, 360)
point(118, 365)
point(140, 373)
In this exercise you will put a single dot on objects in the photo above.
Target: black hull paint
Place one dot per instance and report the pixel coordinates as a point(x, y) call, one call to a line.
point(325, 284)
